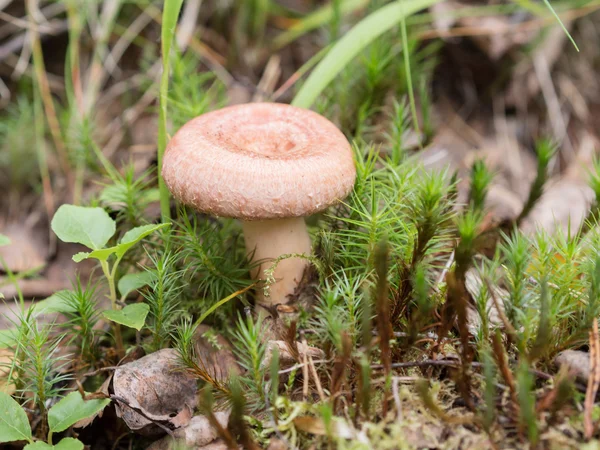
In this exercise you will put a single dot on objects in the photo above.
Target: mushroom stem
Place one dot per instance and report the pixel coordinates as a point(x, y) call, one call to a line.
point(269, 239)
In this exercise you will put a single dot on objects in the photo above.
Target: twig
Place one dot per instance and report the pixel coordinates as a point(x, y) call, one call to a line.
point(315, 375)
point(507, 325)
point(444, 271)
point(593, 381)
point(425, 363)
point(396, 394)
point(97, 371)
point(504, 369)
point(305, 376)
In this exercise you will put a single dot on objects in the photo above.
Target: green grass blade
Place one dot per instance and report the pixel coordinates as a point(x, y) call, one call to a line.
point(411, 92)
point(169, 22)
point(547, 2)
point(220, 303)
point(363, 33)
point(315, 20)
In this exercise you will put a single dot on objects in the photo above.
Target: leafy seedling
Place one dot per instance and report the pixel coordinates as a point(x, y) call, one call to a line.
point(93, 228)
point(14, 425)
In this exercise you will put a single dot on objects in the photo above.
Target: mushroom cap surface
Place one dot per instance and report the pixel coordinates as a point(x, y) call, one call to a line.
point(259, 161)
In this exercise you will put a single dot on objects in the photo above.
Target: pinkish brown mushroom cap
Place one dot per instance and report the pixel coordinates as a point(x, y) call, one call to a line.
point(259, 161)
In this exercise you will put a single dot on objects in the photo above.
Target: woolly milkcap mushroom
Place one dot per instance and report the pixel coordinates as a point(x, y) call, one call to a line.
point(269, 165)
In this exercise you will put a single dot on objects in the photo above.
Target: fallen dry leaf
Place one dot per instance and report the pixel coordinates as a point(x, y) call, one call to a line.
point(6, 357)
point(499, 40)
point(339, 428)
point(156, 386)
point(214, 354)
point(575, 361)
point(285, 356)
point(197, 434)
point(27, 250)
point(525, 84)
point(474, 285)
point(277, 444)
point(564, 206)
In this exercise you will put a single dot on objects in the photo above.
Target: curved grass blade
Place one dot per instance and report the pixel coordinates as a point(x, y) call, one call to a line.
point(562, 25)
point(363, 33)
point(169, 22)
point(221, 302)
point(315, 20)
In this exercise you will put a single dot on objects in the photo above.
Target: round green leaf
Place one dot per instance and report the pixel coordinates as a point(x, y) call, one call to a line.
point(132, 316)
point(133, 281)
point(135, 235)
point(14, 425)
point(72, 409)
point(65, 444)
point(56, 303)
point(91, 227)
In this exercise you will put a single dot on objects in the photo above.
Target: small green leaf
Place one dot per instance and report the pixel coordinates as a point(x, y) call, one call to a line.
point(72, 409)
point(128, 240)
point(91, 227)
point(39, 445)
point(135, 235)
point(133, 281)
point(69, 444)
point(78, 257)
point(101, 254)
point(132, 316)
point(14, 425)
point(4, 240)
point(65, 444)
point(56, 303)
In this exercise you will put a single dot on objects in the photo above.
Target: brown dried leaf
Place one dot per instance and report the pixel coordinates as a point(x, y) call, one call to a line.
point(156, 386)
point(277, 444)
point(525, 84)
point(575, 361)
point(219, 444)
point(197, 434)
point(563, 206)
point(285, 356)
point(214, 354)
point(6, 357)
point(27, 250)
point(497, 42)
point(316, 426)
point(474, 285)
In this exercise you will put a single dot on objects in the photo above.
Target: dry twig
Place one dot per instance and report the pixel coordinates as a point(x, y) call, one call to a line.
point(593, 381)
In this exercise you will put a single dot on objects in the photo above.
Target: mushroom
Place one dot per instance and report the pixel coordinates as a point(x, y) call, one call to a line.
point(269, 165)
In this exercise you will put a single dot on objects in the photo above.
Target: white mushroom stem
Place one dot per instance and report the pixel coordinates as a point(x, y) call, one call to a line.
point(269, 239)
